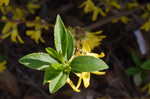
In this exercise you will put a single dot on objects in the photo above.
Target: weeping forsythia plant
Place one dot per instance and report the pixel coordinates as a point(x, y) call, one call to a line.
point(58, 64)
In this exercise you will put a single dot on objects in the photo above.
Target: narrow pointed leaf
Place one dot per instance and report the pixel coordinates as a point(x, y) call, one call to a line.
point(60, 36)
point(70, 46)
point(87, 64)
point(37, 61)
point(53, 53)
point(58, 82)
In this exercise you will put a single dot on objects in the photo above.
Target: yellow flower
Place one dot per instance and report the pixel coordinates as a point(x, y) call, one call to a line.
point(36, 34)
point(4, 2)
point(91, 40)
point(3, 66)
point(115, 4)
point(146, 26)
point(85, 76)
point(18, 13)
point(32, 7)
point(123, 19)
point(72, 85)
point(10, 29)
point(90, 7)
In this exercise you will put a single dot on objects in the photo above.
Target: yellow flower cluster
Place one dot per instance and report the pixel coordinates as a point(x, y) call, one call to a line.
point(90, 7)
point(91, 40)
point(36, 33)
point(10, 28)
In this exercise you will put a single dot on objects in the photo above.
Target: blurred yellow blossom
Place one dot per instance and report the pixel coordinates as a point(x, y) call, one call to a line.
point(114, 4)
point(122, 19)
point(3, 66)
point(18, 13)
point(90, 7)
point(10, 30)
point(131, 5)
point(32, 7)
point(36, 33)
point(4, 2)
point(146, 26)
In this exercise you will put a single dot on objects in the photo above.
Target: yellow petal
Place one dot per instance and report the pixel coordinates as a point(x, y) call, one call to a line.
point(20, 39)
point(14, 34)
point(79, 82)
point(98, 73)
point(72, 85)
point(7, 27)
point(91, 40)
point(3, 36)
point(96, 55)
point(86, 79)
point(115, 4)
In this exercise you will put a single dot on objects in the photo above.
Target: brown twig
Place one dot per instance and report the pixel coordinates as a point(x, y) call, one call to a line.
point(109, 19)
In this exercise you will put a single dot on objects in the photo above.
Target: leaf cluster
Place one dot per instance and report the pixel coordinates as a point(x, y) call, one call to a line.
point(139, 70)
point(57, 64)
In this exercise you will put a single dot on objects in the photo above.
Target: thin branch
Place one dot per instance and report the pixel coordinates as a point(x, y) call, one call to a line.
point(109, 19)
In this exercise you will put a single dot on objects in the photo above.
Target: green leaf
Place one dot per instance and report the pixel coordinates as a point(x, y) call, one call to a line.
point(146, 65)
point(70, 46)
point(60, 37)
point(50, 73)
point(37, 61)
point(58, 66)
point(54, 54)
point(87, 64)
point(136, 59)
point(133, 71)
point(58, 82)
